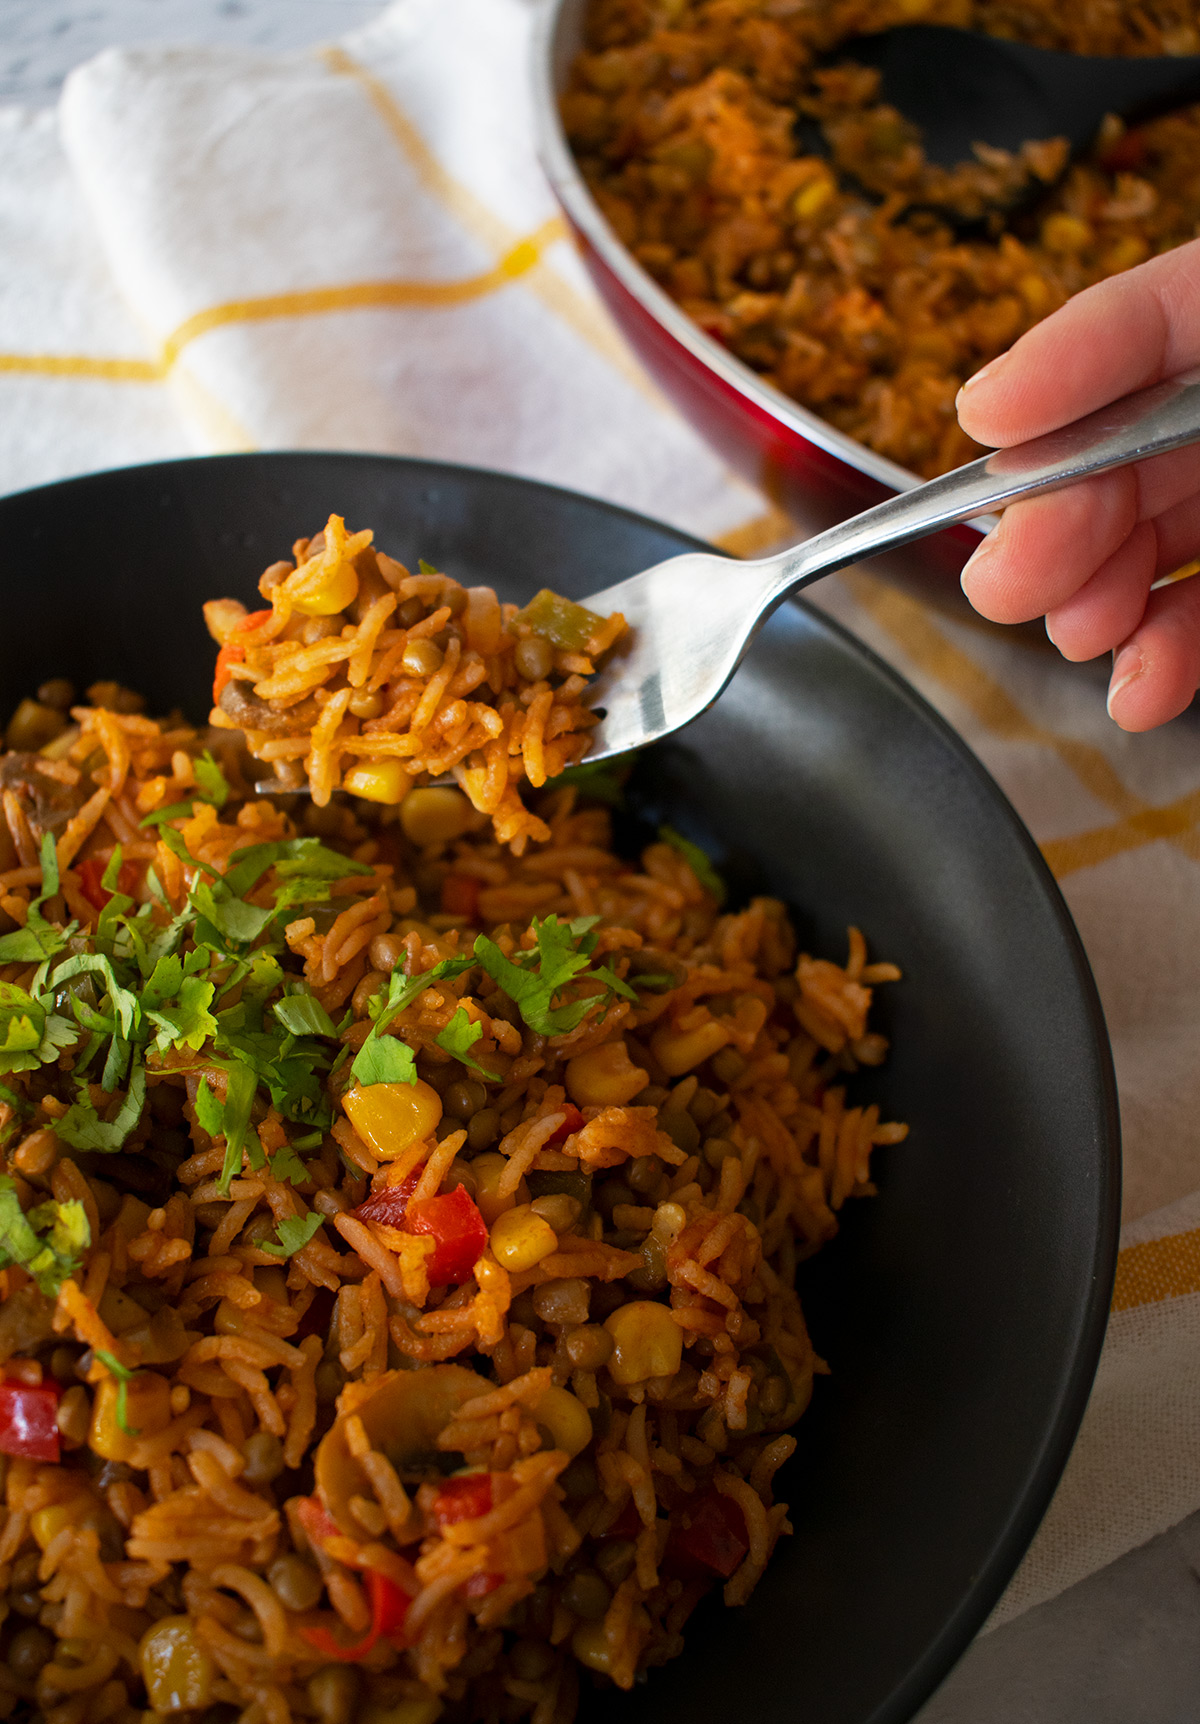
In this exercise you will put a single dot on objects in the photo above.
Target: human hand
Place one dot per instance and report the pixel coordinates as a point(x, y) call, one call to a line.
point(1086, 557)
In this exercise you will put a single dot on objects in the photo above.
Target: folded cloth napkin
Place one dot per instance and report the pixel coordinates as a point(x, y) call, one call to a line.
point(354, 248)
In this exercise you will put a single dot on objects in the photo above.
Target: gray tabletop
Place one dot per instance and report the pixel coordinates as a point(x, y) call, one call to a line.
point(1120, 1648)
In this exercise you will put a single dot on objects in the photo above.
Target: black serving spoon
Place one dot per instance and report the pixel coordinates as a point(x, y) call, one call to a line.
point(963, 88)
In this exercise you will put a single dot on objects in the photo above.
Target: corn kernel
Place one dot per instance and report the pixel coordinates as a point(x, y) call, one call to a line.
point(434, 814)
point(566, 1419)
point(46, 1523)
point(679, 1051)
point(1066, 233)
point(592, 1647)
point(391, 1116)
point(147, 1411)
point(605, 1076)
point(520, 1239)
point(647, 1342)
point(378, 781)
point(324, 585)
point(1125, 253)
point(487, 1169)
point(811, 199)
point(176, 1669)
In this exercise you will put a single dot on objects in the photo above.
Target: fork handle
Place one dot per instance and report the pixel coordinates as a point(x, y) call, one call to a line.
point(1150, 422)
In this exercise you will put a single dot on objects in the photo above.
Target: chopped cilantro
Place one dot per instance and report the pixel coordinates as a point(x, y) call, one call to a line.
point(533, 979)
point(124, 1377)
point(459, 1037)
point(384, 1059)
point(294, 1234)
point(304, 1015)
point(82, 1127)
point(235, 1119)
point(696, 860)
point(286, 1164)
point(48, 1243)
point(210, 1113)
point(38, 939)
point(212, 781)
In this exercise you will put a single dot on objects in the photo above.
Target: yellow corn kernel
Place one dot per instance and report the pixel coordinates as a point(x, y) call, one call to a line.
point(176, 1669)
point(487, 1169)
point(328, 582)
point(679, 1051)
point(1066, 233)
point(46, 1523)
point(391, 1116)
point(566, 1419)
point(147, 1411)
point(520, 1239)
point(647, 1342)
point(434, 814)
point(1125, 253)
point(811, 199)
point(378, 781)
point(592, 1647)
point(605, 1076)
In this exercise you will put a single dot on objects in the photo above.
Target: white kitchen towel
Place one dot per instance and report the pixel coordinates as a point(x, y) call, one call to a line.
point(354, 248)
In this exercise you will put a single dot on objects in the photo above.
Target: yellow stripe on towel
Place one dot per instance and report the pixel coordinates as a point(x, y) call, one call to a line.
point(1159, 1269)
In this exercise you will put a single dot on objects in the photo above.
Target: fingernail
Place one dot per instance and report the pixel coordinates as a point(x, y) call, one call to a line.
point(1128, 665)
point(988, 370)
point(1050, 633)
point(977, 559)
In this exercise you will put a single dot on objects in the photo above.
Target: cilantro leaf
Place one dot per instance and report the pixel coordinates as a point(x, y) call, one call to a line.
point(48, 1243)
point(38, 939)
point(458, 1037)
point(230, 915)
point(210, 1114)
point(294, 1233)
point(696, 860)
point(304, 1015)
point(235, 1120)
point(286, 1164)
point(125, 1005)
point(30, 1034)
point(171, 811)
point(532, 981)
point(189, 1023)
point(82, 1127)
point(384, 1059)
point(212, 781)
point(290, 857)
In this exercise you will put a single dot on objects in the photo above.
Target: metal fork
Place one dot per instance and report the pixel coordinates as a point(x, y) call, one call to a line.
point(693, 617)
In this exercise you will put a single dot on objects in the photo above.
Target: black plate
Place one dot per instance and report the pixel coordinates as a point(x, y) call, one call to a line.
point(963, 1311)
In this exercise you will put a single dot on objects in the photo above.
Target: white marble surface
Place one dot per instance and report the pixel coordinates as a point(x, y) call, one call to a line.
point(40, 40)
point(1120, 1648)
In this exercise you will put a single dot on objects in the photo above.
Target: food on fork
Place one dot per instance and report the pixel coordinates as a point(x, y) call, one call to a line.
point(364, 677)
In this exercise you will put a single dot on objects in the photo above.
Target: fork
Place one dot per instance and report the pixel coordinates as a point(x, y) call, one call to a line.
point(693, 617)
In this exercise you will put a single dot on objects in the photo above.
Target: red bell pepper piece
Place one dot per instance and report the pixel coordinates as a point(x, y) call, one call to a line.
point(460, 896)
point(570, 1125)
point(463, 1498)
point(91, 876)
point(710, 1536)
point(233, 653)
point(29, 1420)
point(458, 1229)
point(389, 1609)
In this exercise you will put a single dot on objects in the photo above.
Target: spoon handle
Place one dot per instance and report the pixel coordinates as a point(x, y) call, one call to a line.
point(1151, 422)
